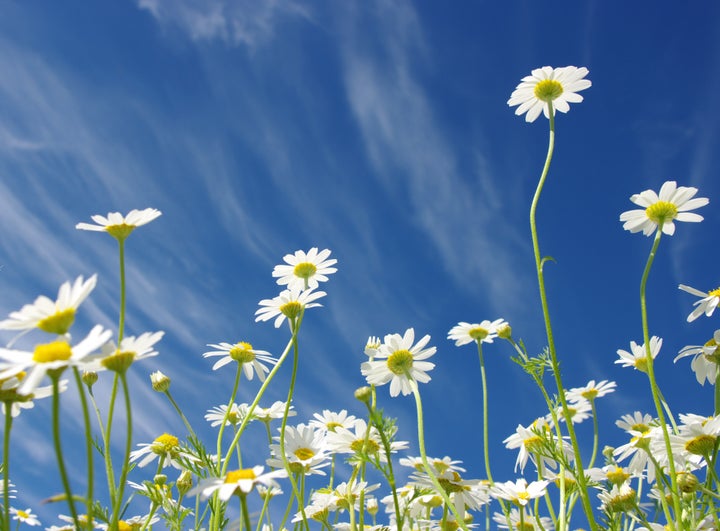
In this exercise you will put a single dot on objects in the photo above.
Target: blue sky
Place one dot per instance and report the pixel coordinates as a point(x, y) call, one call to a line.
point(379, 130)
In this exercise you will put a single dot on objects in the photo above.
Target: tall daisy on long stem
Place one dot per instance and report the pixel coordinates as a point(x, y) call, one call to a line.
point(546, 90)
point(660, 210)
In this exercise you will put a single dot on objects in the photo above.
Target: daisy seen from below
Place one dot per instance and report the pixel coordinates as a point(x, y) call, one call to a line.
point(131, 349)
point(18, 402)
point(707, 303)
point(239, 482)
point(219, 414)
point(119, 226)
point(305, 450)
point(54, 317)
point(547, 88)
point(303, 270)
point(51, 356)
point(637, 357)
point(659, 211)
point(591, 391)
point(706, 359)
point(484, 332)
point(167, 447)
point(400, 363)
point(249, 358)
point(26, 517)
point(519, 492)
point(289, 304)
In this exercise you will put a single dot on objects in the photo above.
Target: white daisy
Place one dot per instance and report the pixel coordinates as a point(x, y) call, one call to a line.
point(119, 226)
point(660, 210)
point(235, 416)
point(305, 450)
point(401, 363)
point(290, 304)
point(26, 516)
point(519, 492)
point(167, 447)
point(707, 303)
point(49, 356)
point(372, 345)
point(131, 349)
point(331, 421)
point(240, 481)
point(637, 356)
point(359, 440)
point(275, 411)
point(249, 358)
point(591, 391)
point(18, 402)
point(305, 270)
point(484, 332)
point(579, 410)
point(545, 85)
point(706, 359)
point(620, 499)
point(636, 422)
point(54, 317)
point(529, 521)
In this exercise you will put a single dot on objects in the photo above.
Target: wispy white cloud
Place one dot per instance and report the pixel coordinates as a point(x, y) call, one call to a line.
point(243, 22)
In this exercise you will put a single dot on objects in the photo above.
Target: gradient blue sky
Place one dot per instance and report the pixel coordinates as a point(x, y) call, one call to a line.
point(377, 129)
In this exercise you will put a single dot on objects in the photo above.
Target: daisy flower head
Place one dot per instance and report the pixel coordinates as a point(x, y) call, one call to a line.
point(637, 357)
point(275, 411)
point(484, 332)
point(249, 358)
point(9, 394)
point(54, 317)
point(305, 450)
point(303, 270)
point(331, 421)
point(401, 363)
point(167, 447)
point(53, 356)
point(239, 482)
point(26, 516)
point(519, 492)
point(706, 359)
point(660, 210)
point(591, 391)
point(219, 414)
point(547, 88)
point(372, 346)
point(119, 358)
point(707, 303)
point(119, 226)
point(289, 304)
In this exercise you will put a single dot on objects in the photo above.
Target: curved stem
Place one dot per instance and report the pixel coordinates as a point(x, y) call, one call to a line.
point(88, 446)
point(6, 464)
point(486, 449)
point(227, 412)
point(58, 449)
point(651, 375)
point(121, 323)
point(421, 443)
point(182, 415)
point(128, 448)
point(582, 483)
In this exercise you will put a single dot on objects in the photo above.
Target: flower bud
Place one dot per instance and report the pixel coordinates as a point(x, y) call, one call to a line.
point(184, 482)
point(364, 394)
point(160, 479)
point(160, 382)
point(504, 331)
point(89, 378)
point(687, 482)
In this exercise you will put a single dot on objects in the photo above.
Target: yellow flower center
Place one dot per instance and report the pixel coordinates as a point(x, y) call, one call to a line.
point(120, 232)
point(701, 445)
point(59, 322)
point(641, 364)
point(368, 447)
point(533, 444)
point(331, 426)
point(22, 514)
point(617, 476)
point(304, 454)
point(165, 444)
point(478, 333)
point(400, 362)
point(526, 526)
point(548, 90)
point(233, 417)
point(642, 428)
point(291, 309)
point(49, 352)
point(119, 362)
point(242, 352)
point(713, 356)
point(440, 466)
point(589, 394)
point(623, 502)
point(661, 212)
point(450, 486)
point(714, 293)
point(124, 526)
point(305, 270)
point(237, 475)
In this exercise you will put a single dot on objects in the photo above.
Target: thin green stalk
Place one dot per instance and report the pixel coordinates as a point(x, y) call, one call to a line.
point(55, 378)
point(121, 323)
point(106, 447)
point(182, 415)
point(421, 443)
point(245, 513)
point(227, 410)
point(486, 449)
point(582, 483)
point(128, 448)
point(372, 417)
point(650, 371)
point(596, 434)
point(6, 464)
point(88, 446)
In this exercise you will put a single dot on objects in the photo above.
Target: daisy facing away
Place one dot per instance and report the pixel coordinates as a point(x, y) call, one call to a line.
point(706, 305)
point(289, 304)
point(484, 332)
point(245, 355)
point(637, 356)
point(546, 87)
point(400, 363)
point(303, 270)
point(661, 210)
point(54, 317)
point(119, 226)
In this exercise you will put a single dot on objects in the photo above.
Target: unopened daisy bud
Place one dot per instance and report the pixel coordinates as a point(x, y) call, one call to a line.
point(431, 501)
point(89, 378)
point(608, 452)
point(160, 382)
point(504, 331)
point(160, 479)
point(119, 362)
point(364, 394)
point(184, 482)
point(372, 506)
point(687, 482)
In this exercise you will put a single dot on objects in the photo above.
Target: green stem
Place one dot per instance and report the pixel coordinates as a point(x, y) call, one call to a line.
point(421, 443)
point(182, 415)
point(580, 475)
point(121, 324)
point(486, 449)
point(374, 418)
point(6, 464)
point(650, 371)
point(55, 378)
point(89, 505)
point(245, 513)
point(128, 448)
point(106, 439)
point(227, 411)
point(596, 435)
